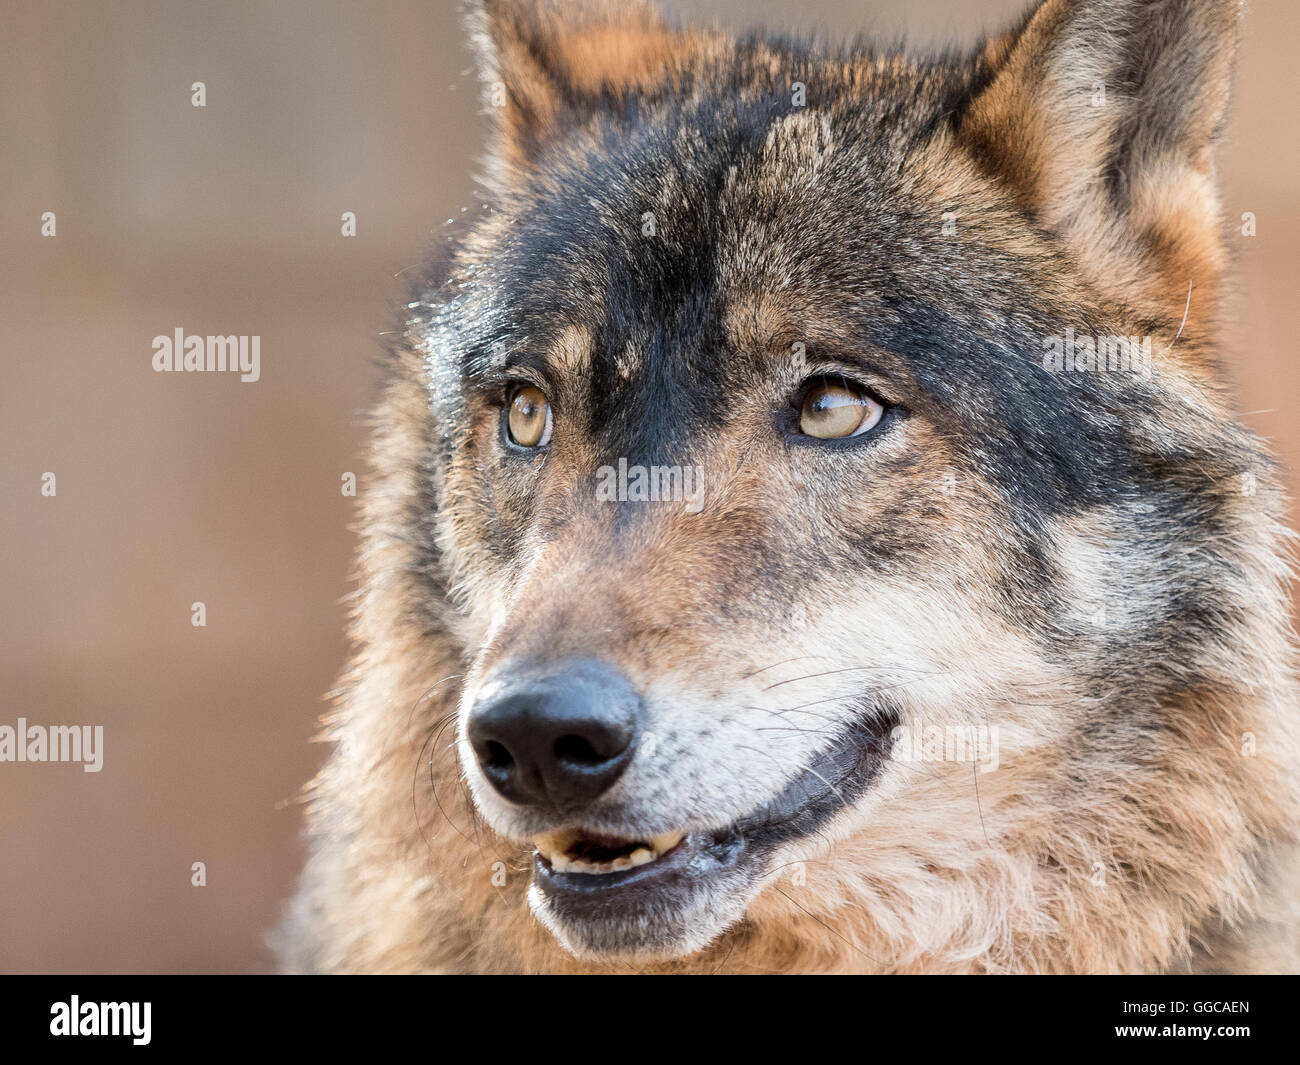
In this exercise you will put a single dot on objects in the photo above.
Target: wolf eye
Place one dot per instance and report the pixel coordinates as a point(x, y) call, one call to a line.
point(529, 419)
point(833, 409)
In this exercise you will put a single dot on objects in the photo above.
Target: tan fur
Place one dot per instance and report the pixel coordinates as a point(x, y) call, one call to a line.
point(1116, 836)
point(1045, 125)
point(401, 901)
point(610, 46)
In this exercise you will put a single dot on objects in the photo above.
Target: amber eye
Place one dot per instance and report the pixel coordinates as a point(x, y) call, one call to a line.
point(529, 417)
point(835, 409)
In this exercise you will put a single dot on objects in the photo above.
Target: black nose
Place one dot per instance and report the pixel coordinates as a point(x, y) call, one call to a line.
point(559, 738)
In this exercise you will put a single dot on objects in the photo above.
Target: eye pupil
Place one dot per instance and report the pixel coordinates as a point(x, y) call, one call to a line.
point(529, 418)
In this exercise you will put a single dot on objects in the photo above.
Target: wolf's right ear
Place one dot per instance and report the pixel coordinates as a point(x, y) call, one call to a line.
point(1101, 116)
point(545, 64)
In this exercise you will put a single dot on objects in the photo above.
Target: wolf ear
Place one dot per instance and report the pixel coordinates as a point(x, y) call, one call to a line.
point(1102, 115)
point(545, 63)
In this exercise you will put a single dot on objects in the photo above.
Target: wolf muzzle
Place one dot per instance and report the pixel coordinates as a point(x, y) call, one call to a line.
point(556, 736)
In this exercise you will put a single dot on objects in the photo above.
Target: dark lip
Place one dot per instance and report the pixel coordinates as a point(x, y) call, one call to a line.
point(834, 780)
point(690, 858)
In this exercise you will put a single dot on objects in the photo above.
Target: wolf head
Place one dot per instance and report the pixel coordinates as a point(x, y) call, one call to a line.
point(813, 472)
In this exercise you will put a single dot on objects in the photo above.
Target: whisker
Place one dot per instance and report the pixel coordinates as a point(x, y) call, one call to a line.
point(797, 658)
point(856, 669)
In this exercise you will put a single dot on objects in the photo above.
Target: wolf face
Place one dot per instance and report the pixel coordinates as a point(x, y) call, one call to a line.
point(761, 461)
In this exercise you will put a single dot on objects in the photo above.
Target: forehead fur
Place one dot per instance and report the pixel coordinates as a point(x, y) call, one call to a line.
point(674, 227)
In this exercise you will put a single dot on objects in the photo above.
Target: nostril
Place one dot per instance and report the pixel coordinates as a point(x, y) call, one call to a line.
point(577, 749)
point(561, 738)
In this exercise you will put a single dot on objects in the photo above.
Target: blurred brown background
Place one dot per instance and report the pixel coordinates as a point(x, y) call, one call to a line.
point(176, 488)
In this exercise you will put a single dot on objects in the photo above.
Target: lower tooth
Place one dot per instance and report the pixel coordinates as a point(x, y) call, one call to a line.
point(554, 846)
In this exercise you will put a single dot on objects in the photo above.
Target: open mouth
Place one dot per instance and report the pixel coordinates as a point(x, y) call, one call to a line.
point(607, 893)
point(573, 852)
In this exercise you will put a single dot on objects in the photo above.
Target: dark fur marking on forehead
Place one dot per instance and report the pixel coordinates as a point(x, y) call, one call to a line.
point(576, 252)
point(1050, 444)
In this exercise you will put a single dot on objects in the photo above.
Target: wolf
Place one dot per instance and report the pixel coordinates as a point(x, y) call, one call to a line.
point(595, 734)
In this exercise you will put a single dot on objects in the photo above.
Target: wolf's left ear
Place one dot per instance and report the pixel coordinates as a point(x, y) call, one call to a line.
point(1102, 117)
point(547, 63)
